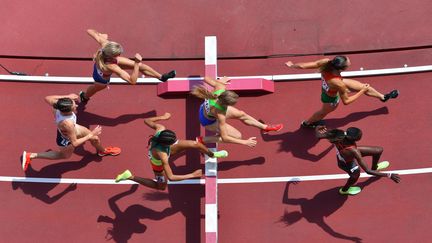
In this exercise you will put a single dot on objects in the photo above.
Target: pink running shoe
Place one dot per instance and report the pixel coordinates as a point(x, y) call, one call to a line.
point(113, 151)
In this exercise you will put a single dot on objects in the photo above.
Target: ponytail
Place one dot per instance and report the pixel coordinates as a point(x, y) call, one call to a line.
point(99, 60)
point(202, 93)
point(109, 51)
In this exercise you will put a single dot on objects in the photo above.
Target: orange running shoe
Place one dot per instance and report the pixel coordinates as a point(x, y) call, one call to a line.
point(273, 128)
point(113, 151)
point(25, 160)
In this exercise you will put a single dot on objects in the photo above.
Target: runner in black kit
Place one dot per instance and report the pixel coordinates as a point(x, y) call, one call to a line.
point(350, 156)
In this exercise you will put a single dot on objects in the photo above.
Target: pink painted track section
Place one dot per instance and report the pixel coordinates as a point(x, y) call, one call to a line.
point(258, 212)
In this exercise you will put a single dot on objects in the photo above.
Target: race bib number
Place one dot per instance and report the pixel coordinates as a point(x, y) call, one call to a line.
point(325, 85)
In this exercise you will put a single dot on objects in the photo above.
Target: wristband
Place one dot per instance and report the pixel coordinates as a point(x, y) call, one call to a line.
point(389, 175)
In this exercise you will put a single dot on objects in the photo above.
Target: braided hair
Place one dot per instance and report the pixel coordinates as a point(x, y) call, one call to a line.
point(351, 135)
point(164, 138)
point(63, 105)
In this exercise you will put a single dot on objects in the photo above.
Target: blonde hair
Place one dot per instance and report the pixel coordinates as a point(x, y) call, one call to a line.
point(226, 98)
point(109, 50)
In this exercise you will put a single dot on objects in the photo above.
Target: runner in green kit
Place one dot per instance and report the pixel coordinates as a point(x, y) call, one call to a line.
point(218, 106)
point(162, 145)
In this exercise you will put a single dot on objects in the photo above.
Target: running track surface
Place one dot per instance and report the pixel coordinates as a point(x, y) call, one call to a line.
point(257, 212)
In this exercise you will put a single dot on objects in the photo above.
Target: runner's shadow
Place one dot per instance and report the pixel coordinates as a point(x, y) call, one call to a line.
point(301, 140)
point(298, 143)
point(356, 116)
point(227, 165)
point(221, 165)
point(41, 190)
point(126, 223)
point(184, 198)
point(319, 207)
point(86, 118)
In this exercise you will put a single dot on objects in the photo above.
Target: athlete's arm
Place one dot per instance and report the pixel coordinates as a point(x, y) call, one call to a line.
point(218, 83)
point(151, 122)
point(251, 142)
point(343, 91)
point(52, 99)
point(132, 78)
point(68, 129)
point(172, 177)
point(102, 39)
point(363, 165)
point(307, 65)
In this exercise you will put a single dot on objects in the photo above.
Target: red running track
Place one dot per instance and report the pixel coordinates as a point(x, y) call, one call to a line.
point(172, 29)
point(256, 212)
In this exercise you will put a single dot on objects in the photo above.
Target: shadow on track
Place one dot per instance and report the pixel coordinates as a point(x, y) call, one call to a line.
point(321, 206)
point(126, 223)
point(86, 118)
point(41, 190)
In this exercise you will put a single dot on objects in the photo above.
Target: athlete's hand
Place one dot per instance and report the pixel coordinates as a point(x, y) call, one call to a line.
point(166, 116)
point(294, 181)
point(395, 177)
point(137, 57)
point(197, 173)
point(225, 80)
point(97, 131)
point(251, 142)
point(289, 64)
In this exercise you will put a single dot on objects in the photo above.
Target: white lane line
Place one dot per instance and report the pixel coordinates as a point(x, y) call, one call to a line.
point(283, 77)
point(202, 181)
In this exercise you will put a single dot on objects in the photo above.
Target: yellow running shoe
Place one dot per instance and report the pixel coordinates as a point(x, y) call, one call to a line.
point(351, 191)
point(123, 176)
point(383, 165)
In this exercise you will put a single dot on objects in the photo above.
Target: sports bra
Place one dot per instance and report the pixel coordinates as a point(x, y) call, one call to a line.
point(341, 147)
point(325, 77)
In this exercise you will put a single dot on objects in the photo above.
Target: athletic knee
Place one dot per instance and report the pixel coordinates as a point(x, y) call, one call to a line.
point(379, 150)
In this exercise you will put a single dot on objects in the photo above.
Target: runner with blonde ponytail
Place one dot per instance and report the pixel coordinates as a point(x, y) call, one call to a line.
point(108, 60)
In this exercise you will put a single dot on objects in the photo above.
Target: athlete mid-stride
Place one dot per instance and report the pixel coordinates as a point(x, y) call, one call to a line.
point(350, 156)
